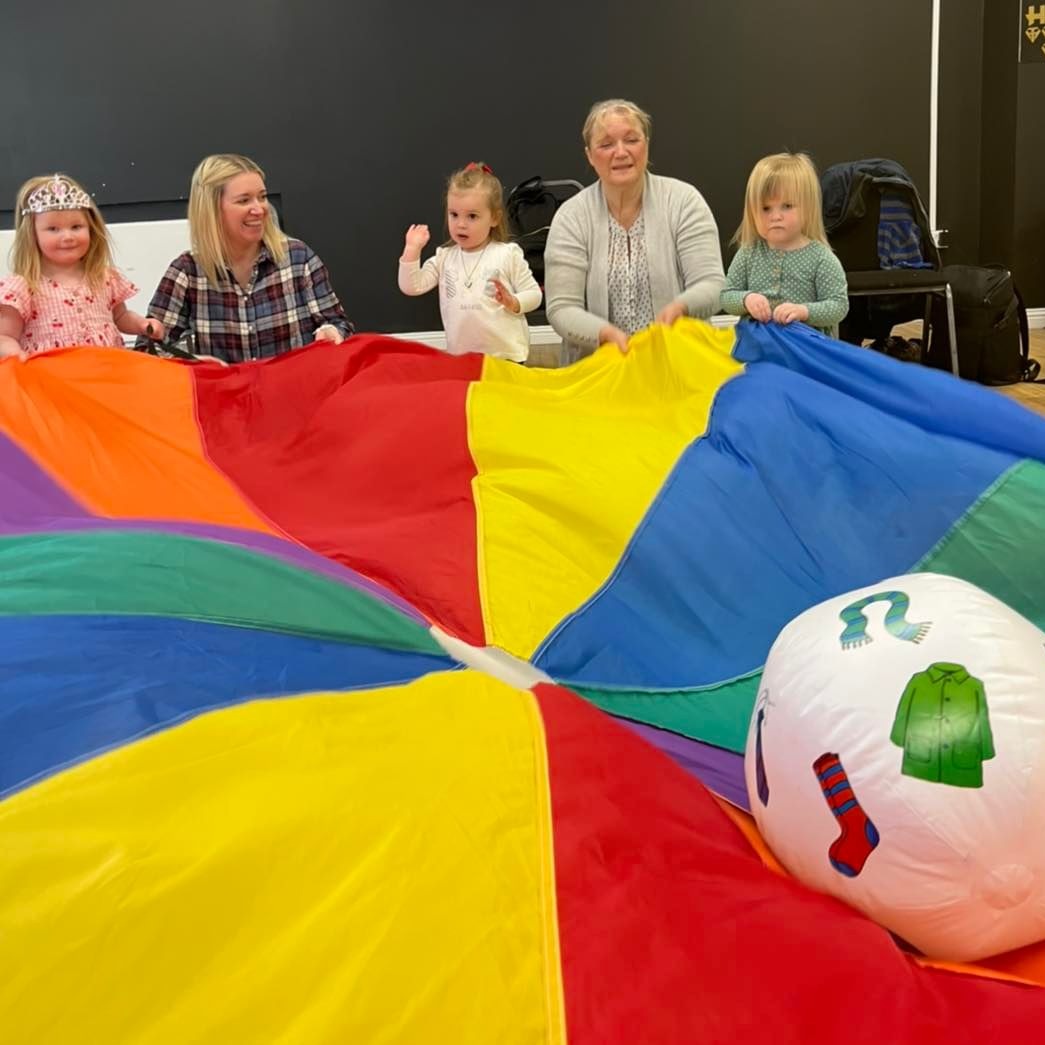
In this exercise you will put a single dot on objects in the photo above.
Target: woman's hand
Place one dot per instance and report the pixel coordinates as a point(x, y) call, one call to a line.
point(611, 335)
point(786, 312)
point(758, 307)
point(328, 332)
point(416, 238)
point(670, 312)
point(504, 297)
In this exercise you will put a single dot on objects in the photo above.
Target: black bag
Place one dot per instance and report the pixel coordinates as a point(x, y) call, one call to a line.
point(531, 205)
point(990, 322)
point(184, 349)
point(906, 350)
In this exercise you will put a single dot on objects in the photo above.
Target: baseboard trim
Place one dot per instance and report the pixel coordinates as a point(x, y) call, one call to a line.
point(437, 338)
point(544, 335)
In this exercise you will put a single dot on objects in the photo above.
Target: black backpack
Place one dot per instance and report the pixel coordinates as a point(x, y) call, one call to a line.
point(990, 321)
point(531, 205)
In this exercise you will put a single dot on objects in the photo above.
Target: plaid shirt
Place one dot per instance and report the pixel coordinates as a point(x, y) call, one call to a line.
point(280, 309)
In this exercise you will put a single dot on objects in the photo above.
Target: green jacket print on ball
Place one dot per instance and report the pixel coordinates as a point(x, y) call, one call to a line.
point(942, 725)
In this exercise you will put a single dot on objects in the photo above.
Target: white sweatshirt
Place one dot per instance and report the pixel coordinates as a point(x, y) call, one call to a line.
point(472, 319)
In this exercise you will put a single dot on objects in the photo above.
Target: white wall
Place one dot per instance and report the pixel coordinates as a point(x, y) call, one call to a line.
point(143, 250)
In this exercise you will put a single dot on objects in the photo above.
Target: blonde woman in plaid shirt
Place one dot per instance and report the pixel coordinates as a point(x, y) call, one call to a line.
point(244, 291)
point(65, 289)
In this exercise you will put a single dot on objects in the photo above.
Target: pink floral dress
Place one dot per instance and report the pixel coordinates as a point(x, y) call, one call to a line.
point(58, 316)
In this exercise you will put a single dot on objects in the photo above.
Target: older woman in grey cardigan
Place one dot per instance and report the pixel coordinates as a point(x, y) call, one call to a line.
point(631, 249)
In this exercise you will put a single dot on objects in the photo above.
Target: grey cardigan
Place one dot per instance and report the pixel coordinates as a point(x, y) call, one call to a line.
point(685, 259)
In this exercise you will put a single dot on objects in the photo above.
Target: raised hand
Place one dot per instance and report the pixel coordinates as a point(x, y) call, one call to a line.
point(416, 238)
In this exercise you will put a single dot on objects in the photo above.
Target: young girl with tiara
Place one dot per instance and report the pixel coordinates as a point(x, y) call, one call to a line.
point(65, 290)
point(485, 284)
point(784, 270)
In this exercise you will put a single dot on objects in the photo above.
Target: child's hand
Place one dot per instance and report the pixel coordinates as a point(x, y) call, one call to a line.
point(416, 238)
point(670, 312)
point(11, 347)
point(152, 329)
point(786, 312)
point(758, 307)
point(504, 297)
point(329, 332)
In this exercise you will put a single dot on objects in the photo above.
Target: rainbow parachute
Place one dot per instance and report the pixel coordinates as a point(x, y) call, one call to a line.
point(262, 780)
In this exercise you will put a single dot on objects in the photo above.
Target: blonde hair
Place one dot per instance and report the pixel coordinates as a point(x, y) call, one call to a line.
point(206, 231)
point(479, 176)
point(25, 251)
point(792, 176)
point(616, 107)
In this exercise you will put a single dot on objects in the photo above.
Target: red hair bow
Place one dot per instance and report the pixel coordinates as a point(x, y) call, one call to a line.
point(479, 167)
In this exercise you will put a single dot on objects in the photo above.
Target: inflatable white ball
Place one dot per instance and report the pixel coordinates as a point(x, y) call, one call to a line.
point(896, 759)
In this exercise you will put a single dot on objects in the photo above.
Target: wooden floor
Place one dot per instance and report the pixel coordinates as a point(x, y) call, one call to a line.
point(1030, 395)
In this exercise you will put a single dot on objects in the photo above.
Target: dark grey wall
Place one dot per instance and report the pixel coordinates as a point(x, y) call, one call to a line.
point(998, 141)
point(1012, 154)
point(960, 131)
point(358, 109)
point(1029, 197)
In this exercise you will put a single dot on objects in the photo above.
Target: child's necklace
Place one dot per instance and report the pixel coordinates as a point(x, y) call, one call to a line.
point(469, 276)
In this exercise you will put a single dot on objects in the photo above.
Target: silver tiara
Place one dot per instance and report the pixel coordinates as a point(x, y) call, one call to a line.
point(57, 194)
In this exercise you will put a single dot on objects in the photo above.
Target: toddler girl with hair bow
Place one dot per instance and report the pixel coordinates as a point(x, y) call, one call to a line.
point(65, 290)
point(485, 284)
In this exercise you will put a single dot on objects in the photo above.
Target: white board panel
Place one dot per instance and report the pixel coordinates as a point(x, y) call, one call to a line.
point(142, 249)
